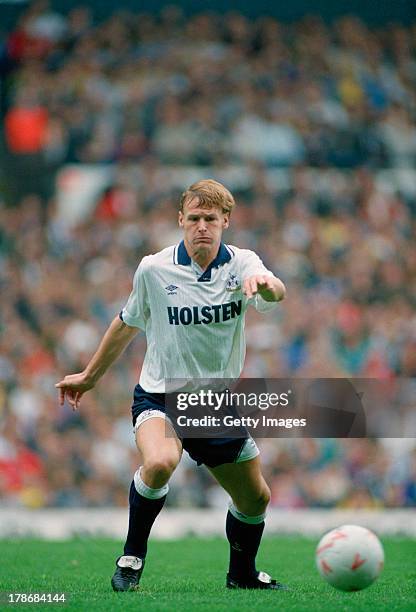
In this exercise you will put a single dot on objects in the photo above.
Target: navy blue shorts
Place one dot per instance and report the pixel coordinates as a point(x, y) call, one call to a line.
point(210, 451)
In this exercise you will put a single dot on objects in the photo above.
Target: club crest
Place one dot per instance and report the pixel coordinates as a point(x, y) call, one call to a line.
point(233, 282)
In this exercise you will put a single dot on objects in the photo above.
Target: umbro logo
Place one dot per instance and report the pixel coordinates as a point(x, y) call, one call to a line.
point(171, 289)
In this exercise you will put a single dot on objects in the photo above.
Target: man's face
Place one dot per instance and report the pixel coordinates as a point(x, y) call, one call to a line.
point(203, 227)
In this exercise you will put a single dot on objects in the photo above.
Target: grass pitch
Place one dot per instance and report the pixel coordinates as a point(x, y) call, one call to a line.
point(189, 575)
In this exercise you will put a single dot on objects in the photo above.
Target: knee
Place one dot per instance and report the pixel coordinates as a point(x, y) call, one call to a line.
point(263, 499)
point(158, 470)
point(256, 504)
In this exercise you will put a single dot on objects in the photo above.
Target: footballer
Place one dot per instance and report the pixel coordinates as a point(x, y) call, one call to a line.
point(190, 300)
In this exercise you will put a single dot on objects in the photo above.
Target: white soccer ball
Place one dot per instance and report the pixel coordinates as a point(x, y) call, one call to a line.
point(350, 557)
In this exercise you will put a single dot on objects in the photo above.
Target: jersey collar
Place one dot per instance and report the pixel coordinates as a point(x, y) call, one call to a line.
point(181, 257)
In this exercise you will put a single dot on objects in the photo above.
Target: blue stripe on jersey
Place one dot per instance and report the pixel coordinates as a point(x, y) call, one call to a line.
point(223, 256)
point(182, 255)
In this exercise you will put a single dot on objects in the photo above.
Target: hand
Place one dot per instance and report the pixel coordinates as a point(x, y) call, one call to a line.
point(73, 387)
point(269, 287)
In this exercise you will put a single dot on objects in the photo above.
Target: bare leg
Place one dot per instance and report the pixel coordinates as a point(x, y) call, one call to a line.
point(245, 484)
point(160, 452)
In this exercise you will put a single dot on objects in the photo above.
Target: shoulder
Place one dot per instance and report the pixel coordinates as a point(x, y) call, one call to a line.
point(250, 263)
point(157, 260)
point(242, 254)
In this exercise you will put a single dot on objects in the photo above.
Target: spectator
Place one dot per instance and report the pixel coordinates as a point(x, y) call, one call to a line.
point(309, 123)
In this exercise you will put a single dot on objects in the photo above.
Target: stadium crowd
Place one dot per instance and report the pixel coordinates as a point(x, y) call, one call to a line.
point(306, 118)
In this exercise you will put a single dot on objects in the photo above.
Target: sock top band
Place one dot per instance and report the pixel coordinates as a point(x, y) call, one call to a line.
point(251, 520)
point(143, 489)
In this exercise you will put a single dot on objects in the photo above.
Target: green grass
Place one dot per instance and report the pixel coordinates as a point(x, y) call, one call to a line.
point(189, 575)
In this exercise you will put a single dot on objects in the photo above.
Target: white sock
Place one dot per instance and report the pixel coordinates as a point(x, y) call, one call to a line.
point(143, 489)
point(251, 520)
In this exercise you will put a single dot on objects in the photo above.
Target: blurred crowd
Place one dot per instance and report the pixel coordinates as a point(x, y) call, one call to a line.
point(301, 122)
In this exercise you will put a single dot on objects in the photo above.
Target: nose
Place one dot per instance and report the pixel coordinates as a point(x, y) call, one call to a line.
point(202, 225)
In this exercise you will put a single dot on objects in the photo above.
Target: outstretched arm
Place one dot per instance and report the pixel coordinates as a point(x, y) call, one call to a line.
point(270, 288)
point(114, 341)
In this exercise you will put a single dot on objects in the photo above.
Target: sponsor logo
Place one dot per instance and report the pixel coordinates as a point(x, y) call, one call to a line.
point(204, 315)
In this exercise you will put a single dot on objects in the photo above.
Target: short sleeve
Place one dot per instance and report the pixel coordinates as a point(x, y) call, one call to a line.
point(251, 265)
point(135, 312)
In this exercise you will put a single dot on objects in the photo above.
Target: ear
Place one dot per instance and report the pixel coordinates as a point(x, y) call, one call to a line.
point(226, 221)
point(180, 219)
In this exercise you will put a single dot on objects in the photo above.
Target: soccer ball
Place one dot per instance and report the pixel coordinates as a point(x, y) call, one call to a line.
point(350, 557)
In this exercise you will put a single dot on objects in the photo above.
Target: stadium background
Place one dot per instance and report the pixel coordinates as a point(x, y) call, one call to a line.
point(106, 117)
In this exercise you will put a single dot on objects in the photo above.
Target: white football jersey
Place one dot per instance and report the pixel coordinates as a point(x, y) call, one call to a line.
point(193, 319)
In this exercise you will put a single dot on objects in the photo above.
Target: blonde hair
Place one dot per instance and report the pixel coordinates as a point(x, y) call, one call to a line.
point(211, 194)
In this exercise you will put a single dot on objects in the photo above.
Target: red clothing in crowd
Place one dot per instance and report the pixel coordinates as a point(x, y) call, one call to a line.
point(25, 129)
